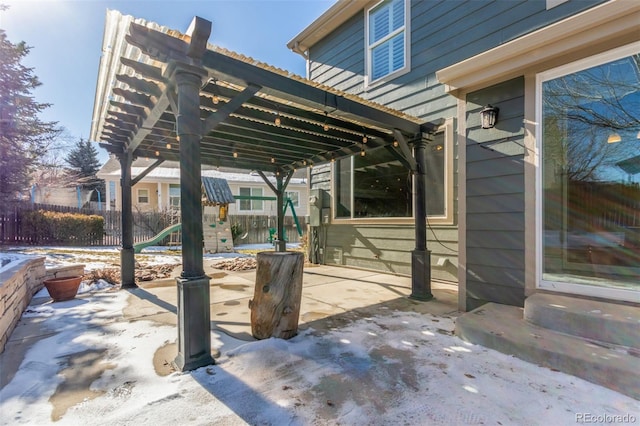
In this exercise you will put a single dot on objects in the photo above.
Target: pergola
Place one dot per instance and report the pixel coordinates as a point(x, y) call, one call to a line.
point(171, 96)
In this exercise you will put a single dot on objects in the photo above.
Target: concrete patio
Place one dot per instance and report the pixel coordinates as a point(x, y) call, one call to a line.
point(332, 296)
point(365, 354)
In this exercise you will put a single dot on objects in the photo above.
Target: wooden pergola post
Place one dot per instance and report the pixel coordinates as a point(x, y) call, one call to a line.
point(194, 328)
point(421, 256)
point(127, 255)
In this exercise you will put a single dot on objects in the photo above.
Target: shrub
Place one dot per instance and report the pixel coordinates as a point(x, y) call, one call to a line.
point(42, 226)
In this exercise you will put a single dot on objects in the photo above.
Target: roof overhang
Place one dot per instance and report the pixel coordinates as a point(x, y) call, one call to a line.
point(603, 27)
point(239, 101)
point(336, 15)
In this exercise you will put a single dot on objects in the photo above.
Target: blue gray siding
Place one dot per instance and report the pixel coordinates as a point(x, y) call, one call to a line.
point(495, 198)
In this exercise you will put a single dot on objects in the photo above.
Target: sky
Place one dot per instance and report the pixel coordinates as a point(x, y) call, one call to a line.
point(66, 41)
point(390, 367)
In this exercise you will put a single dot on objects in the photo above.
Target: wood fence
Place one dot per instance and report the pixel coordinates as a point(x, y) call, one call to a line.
point(253, 229)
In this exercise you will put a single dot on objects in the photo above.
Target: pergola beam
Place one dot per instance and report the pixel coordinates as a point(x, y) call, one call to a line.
point(145, 172)
point(242, 73)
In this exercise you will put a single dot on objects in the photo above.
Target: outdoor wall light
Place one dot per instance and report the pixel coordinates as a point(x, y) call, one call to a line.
point(613, 138)
point(489, 116)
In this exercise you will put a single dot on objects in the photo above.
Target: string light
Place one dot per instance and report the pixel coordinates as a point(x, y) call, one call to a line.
point(278, 121)
point(168, 146)
point(157, 153)
point(304, 162)
point(362, 153)
point(273, 160)
point(326, 125)
point(215, 98)
point(395, 144)
point(364, 139)
point(235, 154)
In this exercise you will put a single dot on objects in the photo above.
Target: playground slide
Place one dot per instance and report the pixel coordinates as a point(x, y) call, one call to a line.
point(137, 247)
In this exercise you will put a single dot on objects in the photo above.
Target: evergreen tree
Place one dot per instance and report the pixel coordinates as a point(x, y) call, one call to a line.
point(24, 138)
point(83, 165)
point(83, 159)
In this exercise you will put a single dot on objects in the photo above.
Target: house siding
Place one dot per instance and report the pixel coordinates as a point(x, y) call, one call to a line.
point(495, 228)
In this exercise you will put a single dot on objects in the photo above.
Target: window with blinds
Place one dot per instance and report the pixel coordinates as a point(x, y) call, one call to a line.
point(387, 40)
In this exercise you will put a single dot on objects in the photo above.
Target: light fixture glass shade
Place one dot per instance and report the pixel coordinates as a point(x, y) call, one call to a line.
point(489, 116)
point(613, 138)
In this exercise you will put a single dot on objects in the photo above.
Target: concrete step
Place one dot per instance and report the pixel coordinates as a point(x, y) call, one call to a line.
point(605, 322)
point(503, 328)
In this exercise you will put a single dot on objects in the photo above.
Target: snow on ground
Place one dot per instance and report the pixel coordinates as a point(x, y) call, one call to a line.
point(390, 368)
point(109, 256)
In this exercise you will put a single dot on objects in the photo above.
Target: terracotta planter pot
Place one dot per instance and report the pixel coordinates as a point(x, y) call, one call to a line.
point(61, 289)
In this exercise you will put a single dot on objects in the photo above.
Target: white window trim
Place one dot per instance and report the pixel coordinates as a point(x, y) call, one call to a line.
point(558, 286)
point(148, 196)
point(368, 83)
point(446, 219)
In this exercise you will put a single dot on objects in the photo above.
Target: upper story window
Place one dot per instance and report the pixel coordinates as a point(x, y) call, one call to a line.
point(387, 40)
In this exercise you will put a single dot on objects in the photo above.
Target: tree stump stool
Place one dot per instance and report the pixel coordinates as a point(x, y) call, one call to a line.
point(275, 308)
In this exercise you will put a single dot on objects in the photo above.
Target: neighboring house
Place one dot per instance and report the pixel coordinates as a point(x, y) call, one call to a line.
point(547, 201)
point(160, 190)
point(60, 195)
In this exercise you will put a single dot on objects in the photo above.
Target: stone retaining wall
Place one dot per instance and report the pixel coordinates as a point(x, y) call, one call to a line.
point(19, 283)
